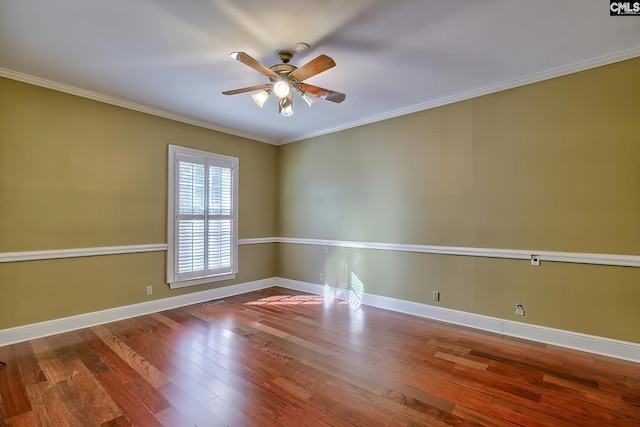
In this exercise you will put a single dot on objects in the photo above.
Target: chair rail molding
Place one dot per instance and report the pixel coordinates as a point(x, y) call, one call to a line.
point(523, 254)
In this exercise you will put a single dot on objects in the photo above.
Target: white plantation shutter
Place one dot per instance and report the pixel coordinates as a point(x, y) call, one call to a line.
point(190, 246)
point(202, 217)
point(191, 198)
point(219, 217)
point(219, 243)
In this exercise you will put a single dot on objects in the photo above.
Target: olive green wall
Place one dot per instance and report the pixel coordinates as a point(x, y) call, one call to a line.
point(76, 173)
point(551, 166)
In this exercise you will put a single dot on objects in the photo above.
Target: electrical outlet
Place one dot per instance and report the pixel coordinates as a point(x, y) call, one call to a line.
point(322, 277)
point(535, 260)
point(520, 310)
point(436, 296)
point(149, 290)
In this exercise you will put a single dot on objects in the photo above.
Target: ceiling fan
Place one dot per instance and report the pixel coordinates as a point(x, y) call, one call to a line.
point(285, 78)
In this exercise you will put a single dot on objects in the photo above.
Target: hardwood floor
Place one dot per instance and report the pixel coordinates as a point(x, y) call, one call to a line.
point(278, 357)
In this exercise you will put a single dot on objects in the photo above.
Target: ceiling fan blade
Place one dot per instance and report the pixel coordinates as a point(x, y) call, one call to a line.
point(313, 67)
point(253, 63)
point(248, 89)
point(322, 93)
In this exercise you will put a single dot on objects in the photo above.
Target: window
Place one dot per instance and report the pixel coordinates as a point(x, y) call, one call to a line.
point(202, 217)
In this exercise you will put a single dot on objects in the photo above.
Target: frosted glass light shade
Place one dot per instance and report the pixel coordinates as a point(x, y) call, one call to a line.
point(285, 106)
point(260, 98)
point(309, 98)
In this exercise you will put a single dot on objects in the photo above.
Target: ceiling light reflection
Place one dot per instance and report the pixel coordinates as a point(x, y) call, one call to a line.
point(281, 89)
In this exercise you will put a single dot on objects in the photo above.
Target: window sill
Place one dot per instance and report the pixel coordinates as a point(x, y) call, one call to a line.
point(201, 281)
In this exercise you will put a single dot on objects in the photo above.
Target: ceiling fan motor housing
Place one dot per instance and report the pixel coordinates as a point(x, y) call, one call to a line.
point(283, 71)
point(285, 55)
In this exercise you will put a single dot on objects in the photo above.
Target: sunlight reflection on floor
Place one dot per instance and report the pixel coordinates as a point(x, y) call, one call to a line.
point(295, 300)
point(351, 296)
point(290, 300)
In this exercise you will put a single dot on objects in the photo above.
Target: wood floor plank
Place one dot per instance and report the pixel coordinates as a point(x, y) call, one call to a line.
point(277, 357)
point(84, 353)
point(167, 321)
point(26, 419)
point(228, 414)
point(171, 417)
point(328, 391)
point(48, 410)
point(61, 348)
point(108, 357)
point(560, 373)
point(12, 387)
point(173, 368)
point(92, 392)
point(513, 413)
point(148, 395)
point(461, 360)
point(402, 409)
point(28, 363)
point(481, 418)
point(190, 408)
point(3, 422)
point(237, 389)
point(131, 407)
point(579, 410)
point(75, 409)
point(139, 364)
point(121, 421)
point(52, 367)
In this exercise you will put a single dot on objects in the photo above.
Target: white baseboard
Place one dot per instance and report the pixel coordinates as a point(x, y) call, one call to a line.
point(574, 340)
point(56, 326)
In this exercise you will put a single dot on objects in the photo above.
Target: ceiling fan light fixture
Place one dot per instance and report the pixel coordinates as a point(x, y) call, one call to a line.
point(284, 79)
point(285, 106)
point(282, 88)
point(308, 97)
point(261, 97)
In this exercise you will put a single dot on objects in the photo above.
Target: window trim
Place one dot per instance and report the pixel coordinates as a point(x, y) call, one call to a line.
point(172, 209)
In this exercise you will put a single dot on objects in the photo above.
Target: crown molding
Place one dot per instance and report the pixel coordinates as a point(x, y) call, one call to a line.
point(534, 78)
point(60, 87)
point(463, 96)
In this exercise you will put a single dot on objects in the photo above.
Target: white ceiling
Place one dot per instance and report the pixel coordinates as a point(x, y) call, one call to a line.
point(171, 58)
